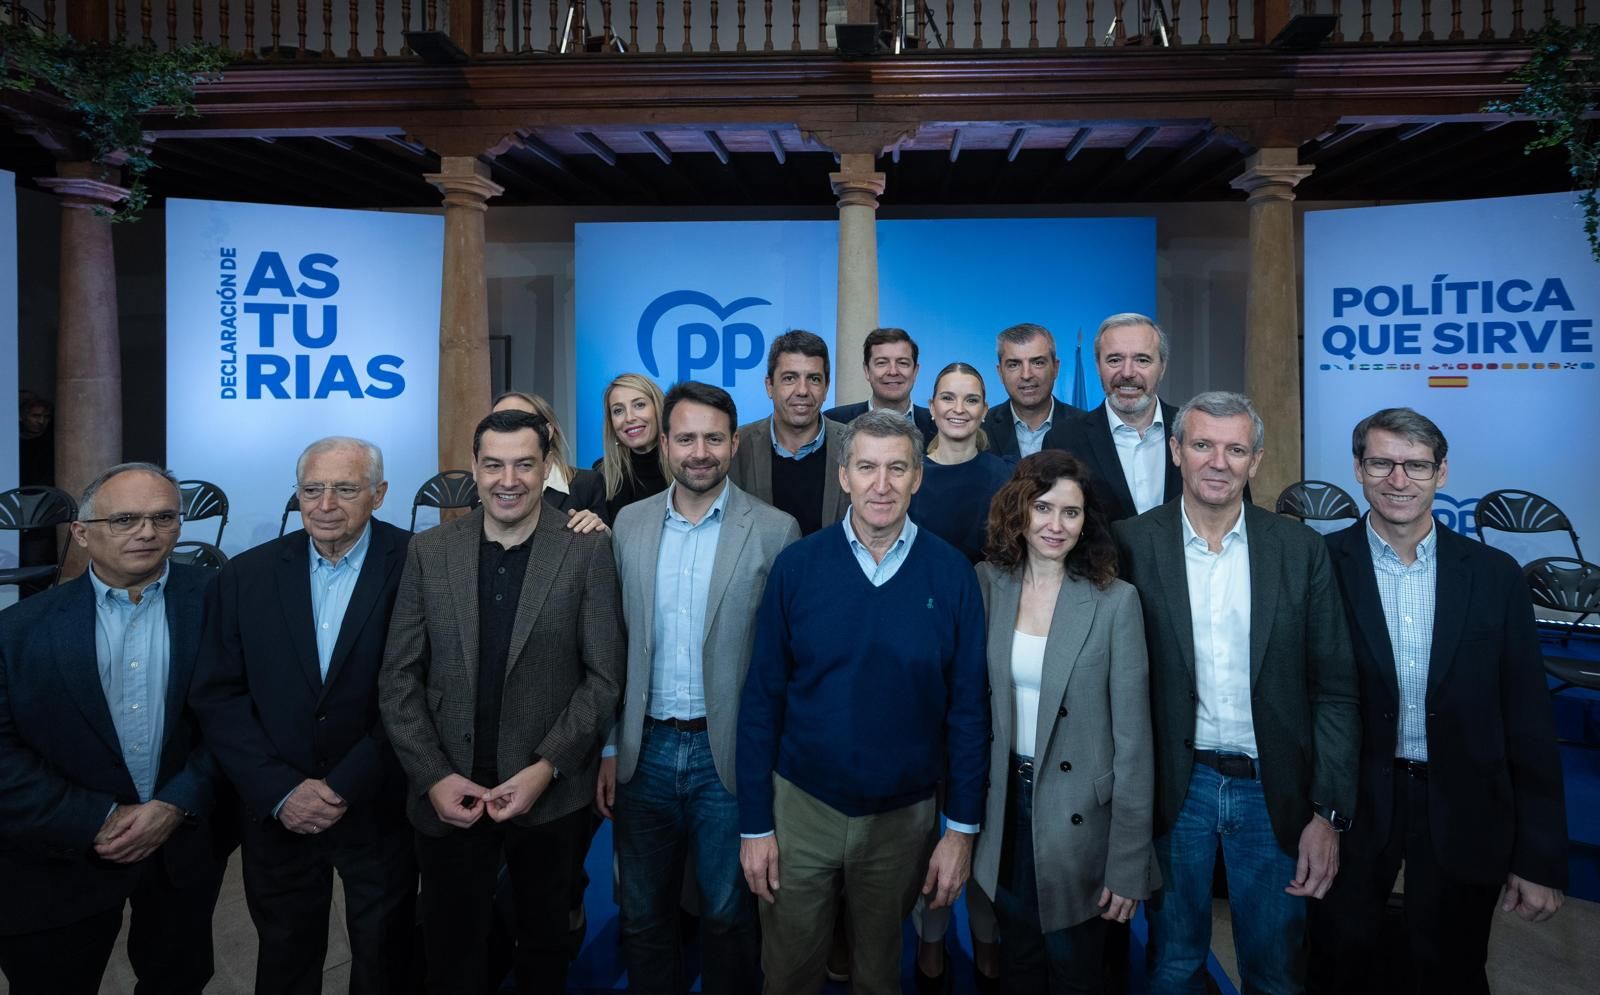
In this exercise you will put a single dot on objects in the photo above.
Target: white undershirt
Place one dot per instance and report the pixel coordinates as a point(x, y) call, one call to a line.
point(1027, 671)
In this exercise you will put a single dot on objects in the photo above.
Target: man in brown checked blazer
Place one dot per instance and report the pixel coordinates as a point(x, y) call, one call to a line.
point(502, 674)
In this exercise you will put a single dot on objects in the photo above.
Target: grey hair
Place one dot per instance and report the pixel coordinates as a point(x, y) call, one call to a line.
point(1129, 319)
point(879, 425)
point(373, 453)
point(86, 505)
point(1222, 404)
point(1404, 422)
point(1020, 334)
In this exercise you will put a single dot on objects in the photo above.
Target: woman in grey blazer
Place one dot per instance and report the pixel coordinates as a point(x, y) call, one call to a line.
point(1065, 846)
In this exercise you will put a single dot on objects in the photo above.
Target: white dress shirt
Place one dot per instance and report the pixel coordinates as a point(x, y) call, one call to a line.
point(1143, 458)
point(1219, 612)
point(1027, 673)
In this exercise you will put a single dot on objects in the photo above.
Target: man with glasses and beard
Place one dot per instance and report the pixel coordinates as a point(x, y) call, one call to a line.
point(692, 562)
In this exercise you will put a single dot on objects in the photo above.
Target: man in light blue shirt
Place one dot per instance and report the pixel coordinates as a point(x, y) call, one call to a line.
point(105, 790)
point(1033, 419)
point(692, 564)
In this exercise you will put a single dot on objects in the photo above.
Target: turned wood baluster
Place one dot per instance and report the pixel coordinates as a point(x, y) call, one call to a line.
point(1121, 30)
point(224, 27)
point(1033, 23)
point(822, 25)
point(688, 17)
point(766, 7)
point(197, 20)
point(1578, 13)
point(353, 11)
point(433, 15)
point(172, 24)
point(633, 25)
point(1549, 11)
point(1488, 21)
point(499, 27)
point(949, 22)
point(740, 47)
point(1233, 21)
point(405, 25)
point(1175, 36)
point(1205, 22)
point(1516, 21)
point(555, 20)
point(715, 46)
point(661, 25)
point(1061, 23)
point(300, 29)
point(1366, 20)
point(1005, 23)
point(606, 30)
point(50, 17)
point(1396, 34)
point(249, 29)
point(1426, 34)
point(121, 20)
point(327, 29)
point(1338, 21)
point(1088, 17)
point(977, 23)
point(277, 29)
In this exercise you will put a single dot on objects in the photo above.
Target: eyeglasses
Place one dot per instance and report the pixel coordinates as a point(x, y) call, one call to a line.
point(344, 492)
point(121, 525)
point(1417, 469)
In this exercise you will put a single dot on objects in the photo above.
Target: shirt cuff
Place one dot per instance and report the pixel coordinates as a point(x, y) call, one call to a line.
point(279, 807)
point(961, 827)
point(607, 751)
point(756, 836)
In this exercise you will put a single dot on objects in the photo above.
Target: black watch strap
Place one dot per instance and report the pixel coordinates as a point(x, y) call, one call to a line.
point(1337, 820)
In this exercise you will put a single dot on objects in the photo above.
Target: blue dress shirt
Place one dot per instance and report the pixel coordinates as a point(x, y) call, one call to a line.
point(332, 584)
point(132, 649)
point(1031, 440)
point(683, 585)
point(1408, 593)
point(803, 451)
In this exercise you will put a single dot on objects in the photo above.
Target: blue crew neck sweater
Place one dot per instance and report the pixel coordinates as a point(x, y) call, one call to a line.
point(866, 697)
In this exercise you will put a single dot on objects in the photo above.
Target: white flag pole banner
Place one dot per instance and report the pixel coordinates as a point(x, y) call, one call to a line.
point(9, 455)
point(1479, 314)
point(287, 324)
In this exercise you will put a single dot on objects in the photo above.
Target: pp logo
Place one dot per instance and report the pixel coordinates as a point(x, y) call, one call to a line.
point(739, 345)
point(1460, 516)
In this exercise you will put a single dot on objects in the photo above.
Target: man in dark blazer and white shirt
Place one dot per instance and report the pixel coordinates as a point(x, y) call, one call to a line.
point(287, 693)
point(1033, 419)
point(502, 674)
point(105, 787)
point(890, 360)
point(693, 562)
point(1124, 439)
point(1460, 778)
point(1253, 700)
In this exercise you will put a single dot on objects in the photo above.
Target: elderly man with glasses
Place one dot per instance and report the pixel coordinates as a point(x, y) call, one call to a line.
point(105, 792)
point(288, 697)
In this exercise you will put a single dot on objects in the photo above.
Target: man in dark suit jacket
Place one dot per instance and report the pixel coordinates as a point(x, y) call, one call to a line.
point(1033, 419)
point(1253, 700)
point(1460, 778)
point(890, 359)
point(287, 693)
point(1124, 439)
point(502, 674)
point(105, 789)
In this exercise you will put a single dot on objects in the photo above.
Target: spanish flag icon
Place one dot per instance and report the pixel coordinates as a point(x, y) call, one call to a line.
point(1447, 381)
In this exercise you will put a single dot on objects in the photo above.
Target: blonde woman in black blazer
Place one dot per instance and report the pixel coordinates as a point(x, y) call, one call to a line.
point(1065, 847)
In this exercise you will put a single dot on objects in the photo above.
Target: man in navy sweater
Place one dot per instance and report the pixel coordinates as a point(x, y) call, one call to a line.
point(867, 687)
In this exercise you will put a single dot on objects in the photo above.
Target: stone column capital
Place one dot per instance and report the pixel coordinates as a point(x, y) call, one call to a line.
point(464, 181)
point(857, 184)
point(1271, 174)
point(83, 185)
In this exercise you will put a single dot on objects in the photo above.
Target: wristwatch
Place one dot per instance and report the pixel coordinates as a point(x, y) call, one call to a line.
point(1339, 822)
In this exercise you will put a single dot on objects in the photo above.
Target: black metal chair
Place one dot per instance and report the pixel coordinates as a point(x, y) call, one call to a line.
point(446, 489)
point(199, 554)
point(23, 509)
point(1318, 501)
point(201, 500)
point(1524, 512)
point(292, 508)
point(1564, 584)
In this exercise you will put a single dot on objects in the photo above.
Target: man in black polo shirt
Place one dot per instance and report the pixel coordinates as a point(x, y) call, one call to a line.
point(787, 459)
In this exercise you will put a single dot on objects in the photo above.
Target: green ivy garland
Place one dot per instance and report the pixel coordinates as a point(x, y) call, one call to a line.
point(1560, 83)
point(111, 87)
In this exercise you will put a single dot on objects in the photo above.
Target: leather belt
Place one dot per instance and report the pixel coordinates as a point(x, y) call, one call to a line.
point(1416, 768)
point(683, 725)
point(1022, 767)
point(1228, 764)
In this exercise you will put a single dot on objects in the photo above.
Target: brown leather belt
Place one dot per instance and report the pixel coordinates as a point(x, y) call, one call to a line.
point(1228, 764)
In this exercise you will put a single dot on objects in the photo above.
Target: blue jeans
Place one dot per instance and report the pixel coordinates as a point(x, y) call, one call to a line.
point(1036, 962)
point(1269, 926)
point(675, 807)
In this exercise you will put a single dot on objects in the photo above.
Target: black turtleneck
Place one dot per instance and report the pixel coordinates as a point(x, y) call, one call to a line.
point(647, 479)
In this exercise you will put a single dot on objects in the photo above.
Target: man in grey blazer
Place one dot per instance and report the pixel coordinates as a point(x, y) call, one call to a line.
point(787, 459)
point(502, 672)
point(1254, 703)
point(692, 562)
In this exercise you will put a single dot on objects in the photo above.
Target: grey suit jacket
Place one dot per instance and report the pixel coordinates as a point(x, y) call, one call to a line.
point(1303, 693)
point(563, 672)
point(1094, 759)
point(752, 467)
point(752, 535)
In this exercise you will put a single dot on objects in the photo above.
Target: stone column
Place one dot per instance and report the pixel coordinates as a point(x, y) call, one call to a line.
point(1272, 315)
point(463, 307)
point(88, 350)
point(857, 186)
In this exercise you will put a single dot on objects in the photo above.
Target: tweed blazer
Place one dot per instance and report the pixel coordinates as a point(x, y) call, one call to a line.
point(752, 467)
point(1303, 687)
point(751, 536)
point(1093, 757)
point(563, 673)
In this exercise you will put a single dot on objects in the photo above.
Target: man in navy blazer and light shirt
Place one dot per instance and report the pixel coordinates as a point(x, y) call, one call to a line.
point(867, 687)
point(1460, 778)
point(1253, 701)
point(105, 788)
point(287, 693)
point(890, 360)
point(692, 563)
point(1033, 419)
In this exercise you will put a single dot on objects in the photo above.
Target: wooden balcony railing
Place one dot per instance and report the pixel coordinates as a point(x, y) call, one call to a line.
point(278, 30)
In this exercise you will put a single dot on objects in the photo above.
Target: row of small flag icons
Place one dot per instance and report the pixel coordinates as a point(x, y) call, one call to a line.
point(1588, 365)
